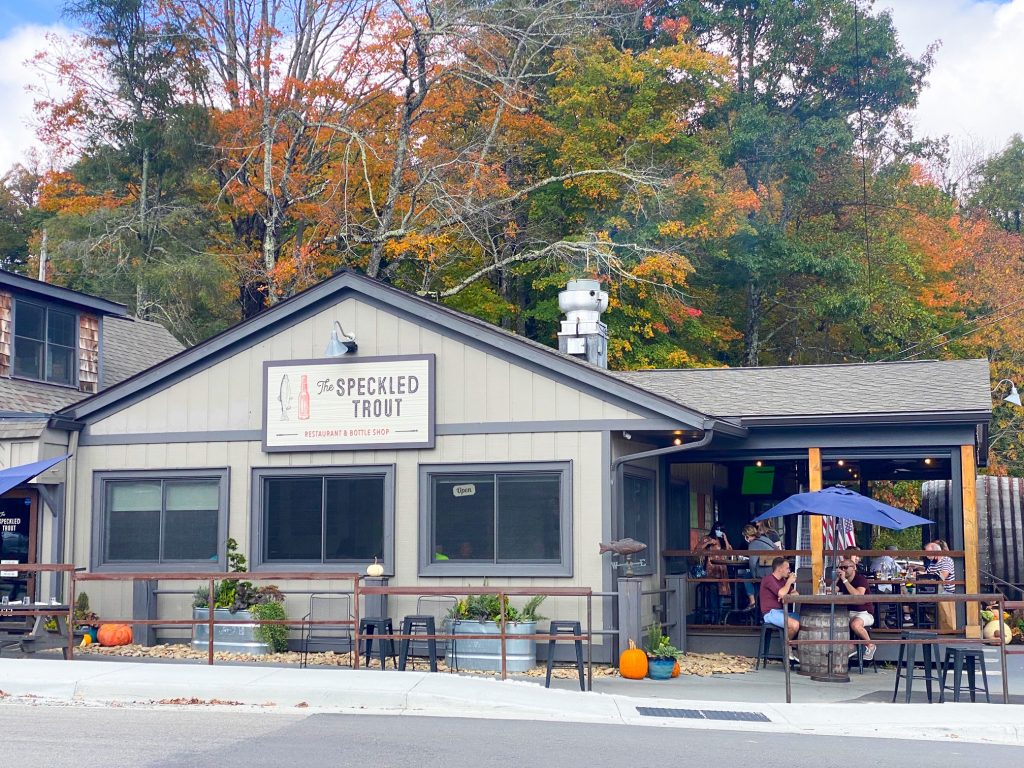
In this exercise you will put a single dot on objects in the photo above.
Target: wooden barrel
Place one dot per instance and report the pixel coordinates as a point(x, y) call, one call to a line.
point(815, 624)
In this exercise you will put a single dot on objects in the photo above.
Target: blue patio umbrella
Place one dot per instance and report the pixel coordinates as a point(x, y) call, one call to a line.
point(841, 502)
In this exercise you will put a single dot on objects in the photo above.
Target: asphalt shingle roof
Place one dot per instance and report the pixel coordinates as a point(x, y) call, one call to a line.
point(928, 386)
point(131, 345)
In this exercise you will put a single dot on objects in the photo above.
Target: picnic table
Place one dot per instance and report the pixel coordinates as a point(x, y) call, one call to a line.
point(23, 627)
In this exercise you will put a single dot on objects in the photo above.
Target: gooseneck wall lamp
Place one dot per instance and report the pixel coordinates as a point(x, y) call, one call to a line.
point(341, 343)
point(1014, 396)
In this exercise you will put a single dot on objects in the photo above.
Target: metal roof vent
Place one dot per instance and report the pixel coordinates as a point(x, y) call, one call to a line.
point(583, 334)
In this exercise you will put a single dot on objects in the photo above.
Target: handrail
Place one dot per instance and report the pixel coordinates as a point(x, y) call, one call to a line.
point(359, 588)
point(997, 580)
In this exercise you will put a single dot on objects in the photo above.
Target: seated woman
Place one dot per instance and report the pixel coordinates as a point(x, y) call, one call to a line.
point(716, 567)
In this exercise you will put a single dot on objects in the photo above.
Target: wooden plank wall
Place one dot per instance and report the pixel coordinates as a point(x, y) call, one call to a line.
point(88, 353)
point(5, 333)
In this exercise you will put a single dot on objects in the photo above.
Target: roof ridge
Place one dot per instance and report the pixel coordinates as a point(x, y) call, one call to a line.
point(804, 366)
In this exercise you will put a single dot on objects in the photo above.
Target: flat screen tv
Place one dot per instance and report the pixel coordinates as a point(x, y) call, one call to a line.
point(757, 481)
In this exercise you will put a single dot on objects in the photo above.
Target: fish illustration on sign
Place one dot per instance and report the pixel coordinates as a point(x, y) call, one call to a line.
point(622, 547)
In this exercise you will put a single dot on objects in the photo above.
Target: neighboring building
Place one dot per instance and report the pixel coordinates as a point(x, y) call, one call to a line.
point(456, 451)
point(57, 346)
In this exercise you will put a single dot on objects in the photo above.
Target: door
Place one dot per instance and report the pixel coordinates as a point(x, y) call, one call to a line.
point(18, 542)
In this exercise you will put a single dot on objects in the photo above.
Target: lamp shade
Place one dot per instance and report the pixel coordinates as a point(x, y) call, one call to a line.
point(1014, 396)
point(341, 343)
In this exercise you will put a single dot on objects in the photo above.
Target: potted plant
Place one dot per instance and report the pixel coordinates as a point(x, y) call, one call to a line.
point(235, 600)
point(87, 623)
point(662, 656)
point(481, 615)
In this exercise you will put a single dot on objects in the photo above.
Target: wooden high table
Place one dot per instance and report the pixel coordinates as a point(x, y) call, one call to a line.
point(825, 618)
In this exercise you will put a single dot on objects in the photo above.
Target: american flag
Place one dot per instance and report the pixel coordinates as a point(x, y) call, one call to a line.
point(838, 534)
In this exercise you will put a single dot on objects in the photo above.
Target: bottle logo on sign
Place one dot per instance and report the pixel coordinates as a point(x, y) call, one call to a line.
point(464, 490)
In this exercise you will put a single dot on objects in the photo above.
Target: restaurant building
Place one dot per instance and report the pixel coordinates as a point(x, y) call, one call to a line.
point(457, 452)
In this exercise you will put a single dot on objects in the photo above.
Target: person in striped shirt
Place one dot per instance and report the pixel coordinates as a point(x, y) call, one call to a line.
point(942, 567)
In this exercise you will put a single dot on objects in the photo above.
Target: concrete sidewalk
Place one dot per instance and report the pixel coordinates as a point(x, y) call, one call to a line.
point(422, 693)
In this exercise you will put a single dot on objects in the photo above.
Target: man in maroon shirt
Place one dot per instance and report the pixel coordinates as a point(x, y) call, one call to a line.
point(850, 582)
point(774, 586)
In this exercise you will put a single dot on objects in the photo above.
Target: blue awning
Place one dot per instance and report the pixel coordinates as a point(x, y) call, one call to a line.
point(15, 476)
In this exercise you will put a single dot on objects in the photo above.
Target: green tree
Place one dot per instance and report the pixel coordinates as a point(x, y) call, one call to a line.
point(999, 189)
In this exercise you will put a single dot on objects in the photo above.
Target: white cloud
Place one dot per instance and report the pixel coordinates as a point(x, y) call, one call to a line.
point(16, 132)
point(974, 92)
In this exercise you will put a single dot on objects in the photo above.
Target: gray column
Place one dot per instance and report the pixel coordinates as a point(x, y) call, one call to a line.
point(375, 605)
point(630, 626)
point(676, 610)
point(144, 607)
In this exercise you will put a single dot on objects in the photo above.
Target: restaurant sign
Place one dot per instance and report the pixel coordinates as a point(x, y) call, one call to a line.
point(348, 404)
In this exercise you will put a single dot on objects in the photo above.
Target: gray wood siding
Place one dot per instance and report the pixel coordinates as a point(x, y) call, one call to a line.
point(472, 386)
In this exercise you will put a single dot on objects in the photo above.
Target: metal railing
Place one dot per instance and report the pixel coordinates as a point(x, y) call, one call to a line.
point(359, 589)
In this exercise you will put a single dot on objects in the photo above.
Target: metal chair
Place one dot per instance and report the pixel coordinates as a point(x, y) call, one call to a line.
point(335, 636)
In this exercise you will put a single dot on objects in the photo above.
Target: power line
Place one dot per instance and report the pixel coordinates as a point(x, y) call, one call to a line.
point(901, 354)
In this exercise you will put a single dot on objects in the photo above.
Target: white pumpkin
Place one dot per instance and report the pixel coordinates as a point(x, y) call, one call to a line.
point(375, 569)
point(997, 627)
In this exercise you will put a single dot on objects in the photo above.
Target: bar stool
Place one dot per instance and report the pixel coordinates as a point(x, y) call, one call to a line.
point(418, 624)
point(906, 667)
point(566, 629)
point(765, 644)
point(958, 654)
point(380, 625)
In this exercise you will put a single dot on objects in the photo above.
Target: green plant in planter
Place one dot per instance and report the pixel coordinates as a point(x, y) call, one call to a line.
point(489, 608)
point(262, 602)
point(658, 645)
point(84, 617)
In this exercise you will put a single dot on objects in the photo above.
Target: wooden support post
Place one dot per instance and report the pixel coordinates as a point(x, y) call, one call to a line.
point(817, 540)
point(972, 577)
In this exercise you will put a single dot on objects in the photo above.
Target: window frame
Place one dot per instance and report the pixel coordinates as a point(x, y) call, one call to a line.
point(101, 478)
point(76, 352)
point(430, 567)
point(259, 474)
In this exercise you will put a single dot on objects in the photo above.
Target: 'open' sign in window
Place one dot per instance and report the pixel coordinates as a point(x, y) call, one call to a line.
point(464, 490)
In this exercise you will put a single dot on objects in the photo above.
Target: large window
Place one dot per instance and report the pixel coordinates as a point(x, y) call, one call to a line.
point(505, 520)
point(170, 520)
point(45, 342)
point(323, 517)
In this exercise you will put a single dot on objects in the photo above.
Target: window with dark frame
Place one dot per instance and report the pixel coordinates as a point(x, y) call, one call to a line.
point(45, 343)
point(321, 519)
point(497, 517)
point(161, 520)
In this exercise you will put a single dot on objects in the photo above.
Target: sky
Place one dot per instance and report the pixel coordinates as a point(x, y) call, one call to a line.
point(974, 93)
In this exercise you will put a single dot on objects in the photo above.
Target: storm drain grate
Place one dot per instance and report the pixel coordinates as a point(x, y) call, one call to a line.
point(704, 714)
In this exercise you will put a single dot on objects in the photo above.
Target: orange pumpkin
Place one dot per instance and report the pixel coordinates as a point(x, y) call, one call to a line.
point(114, 634)
point(675, 670)
point(633, 663)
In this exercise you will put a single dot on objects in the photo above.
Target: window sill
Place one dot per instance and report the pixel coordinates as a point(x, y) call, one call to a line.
point(511, 570)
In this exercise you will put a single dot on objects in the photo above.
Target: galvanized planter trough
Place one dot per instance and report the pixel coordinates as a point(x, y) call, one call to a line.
point(485, 655)
point(230, 638)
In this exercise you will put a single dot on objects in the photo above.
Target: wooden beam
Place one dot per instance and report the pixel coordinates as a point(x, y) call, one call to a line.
point(817, 540)
point(972, 575)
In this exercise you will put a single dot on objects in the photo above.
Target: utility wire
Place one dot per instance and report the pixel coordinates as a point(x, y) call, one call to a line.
point(902, 354)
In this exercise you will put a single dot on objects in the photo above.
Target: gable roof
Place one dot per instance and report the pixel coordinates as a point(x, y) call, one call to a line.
point(19, 284)
point(469, 329)
point(868, 391)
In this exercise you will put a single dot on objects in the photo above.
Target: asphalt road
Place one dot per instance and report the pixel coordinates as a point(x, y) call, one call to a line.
point(172, 737)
